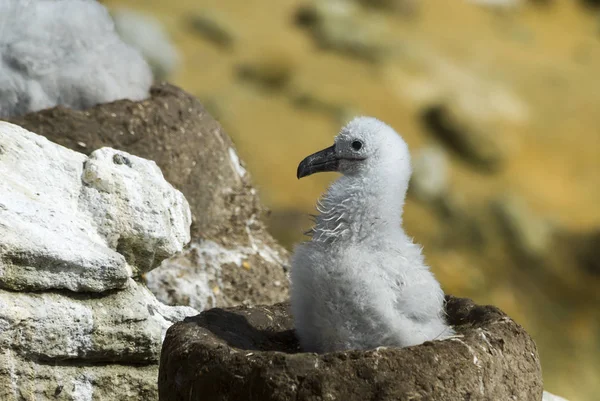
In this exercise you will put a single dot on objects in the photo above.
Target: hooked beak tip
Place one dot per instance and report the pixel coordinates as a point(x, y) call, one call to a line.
point(321, 161)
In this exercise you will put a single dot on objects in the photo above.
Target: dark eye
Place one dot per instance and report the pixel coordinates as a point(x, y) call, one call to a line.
point(357, 145)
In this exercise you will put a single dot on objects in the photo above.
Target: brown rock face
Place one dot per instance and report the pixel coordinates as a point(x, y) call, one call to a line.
point(232, 258)
point(252, 354)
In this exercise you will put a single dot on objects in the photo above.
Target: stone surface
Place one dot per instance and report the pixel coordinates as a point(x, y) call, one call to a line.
point(214, 28)
point(124, 326)
point(74, 324)
point(269, 71)
point(138, 213)
point(500, 4)
point(466, 136)
point(198, 158)
point(403, 6)
point(208, 275)
point(339, 26)
point(80, 223)
point(252, 354)
point(429, 180)
point(583, 247)
point(530, 235)
point(25, 380)
point(48, 239)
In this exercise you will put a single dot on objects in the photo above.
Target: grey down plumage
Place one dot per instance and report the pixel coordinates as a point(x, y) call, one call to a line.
point(64, 52)
point(361, 282)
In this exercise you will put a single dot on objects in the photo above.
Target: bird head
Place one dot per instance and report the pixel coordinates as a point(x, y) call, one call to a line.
point(364, 146)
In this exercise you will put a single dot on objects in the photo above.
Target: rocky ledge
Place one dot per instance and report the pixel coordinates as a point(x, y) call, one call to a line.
point(251, 353)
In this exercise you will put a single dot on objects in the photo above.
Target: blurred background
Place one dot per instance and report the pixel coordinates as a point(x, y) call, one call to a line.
point(498, 101)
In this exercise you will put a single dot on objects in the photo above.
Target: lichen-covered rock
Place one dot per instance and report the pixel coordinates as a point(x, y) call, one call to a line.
point(74, 324)
point(233, 259)
point(83, 224)
point(252, 354)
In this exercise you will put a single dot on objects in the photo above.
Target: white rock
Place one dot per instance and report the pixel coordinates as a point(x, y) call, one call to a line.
point(125, 326)
point(135, 210)
point(82, 224)
point(69, 222)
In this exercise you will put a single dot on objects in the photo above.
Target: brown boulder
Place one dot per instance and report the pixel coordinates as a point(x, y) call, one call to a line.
point(252, 354)
point(232, 258)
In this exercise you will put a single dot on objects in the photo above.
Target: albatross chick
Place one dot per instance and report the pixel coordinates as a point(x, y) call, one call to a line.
point(360, 282)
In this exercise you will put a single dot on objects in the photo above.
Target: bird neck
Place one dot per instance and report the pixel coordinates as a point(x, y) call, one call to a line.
point(359, 208)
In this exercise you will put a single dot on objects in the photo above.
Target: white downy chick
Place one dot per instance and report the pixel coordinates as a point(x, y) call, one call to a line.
point(361, 282)
point(64, 52)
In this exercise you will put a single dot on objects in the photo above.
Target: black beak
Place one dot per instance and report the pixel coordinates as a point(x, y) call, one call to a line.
point(323, 160)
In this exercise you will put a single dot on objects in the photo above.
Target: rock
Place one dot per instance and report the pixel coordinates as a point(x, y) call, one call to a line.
point(73, 229)
point(64, 52)
point(463, 135)
point(340, 27)
point(498, 4)
point(119, 327)
point(460, 224)
point(147, 35)
point(252, 354)
point(213, 28)
point(590, 3)
point(209, 275)
point(429, 180)
point(272, 70)
point(47, 240)
point(78, 223)
point(306, 100)
point(24, 380)
point(140, 214)
point(530, 235)
point(199, 159)
point(403, 6)
point(581, 247)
